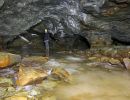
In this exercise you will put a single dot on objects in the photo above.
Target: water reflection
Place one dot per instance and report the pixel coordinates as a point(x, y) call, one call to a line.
point(97, 85)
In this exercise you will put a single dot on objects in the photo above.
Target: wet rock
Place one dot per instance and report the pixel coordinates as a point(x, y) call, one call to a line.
point(19, 95)
point(16, 98)
point(5, 82)
point(60, 73)
point(102, 65)
point(30, 75)
point(8, 59)
point(127, 62)
point(2, 91)
point(6, 92)
point(5, 62)
point(7, 72)
point(100, 60)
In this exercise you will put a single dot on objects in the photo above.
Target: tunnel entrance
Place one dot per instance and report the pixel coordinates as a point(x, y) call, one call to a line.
point(80, 43)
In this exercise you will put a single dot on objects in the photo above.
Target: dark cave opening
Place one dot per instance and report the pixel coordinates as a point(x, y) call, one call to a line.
point(81, 43)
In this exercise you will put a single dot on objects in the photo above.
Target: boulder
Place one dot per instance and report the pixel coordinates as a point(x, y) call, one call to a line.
point(30, 75)
point(8, 59)
point(61, 74)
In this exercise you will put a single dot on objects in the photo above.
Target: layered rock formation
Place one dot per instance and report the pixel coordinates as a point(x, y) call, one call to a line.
point(87, 22)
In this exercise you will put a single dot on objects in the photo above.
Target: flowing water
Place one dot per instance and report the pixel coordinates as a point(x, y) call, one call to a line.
point(86, 82)
point(93, 83)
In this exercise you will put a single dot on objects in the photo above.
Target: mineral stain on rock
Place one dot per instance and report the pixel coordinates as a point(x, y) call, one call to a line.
point(8, 59)
point(29, 75)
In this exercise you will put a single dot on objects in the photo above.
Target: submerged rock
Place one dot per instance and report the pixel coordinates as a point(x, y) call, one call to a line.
point(30, 75)
point(61, 74)
point(8, 59)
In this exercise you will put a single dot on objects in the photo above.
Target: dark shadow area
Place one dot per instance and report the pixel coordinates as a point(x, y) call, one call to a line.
point(80, 43)
point(118, 42)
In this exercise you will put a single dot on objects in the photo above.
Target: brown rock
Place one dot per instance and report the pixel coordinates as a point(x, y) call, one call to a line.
point(61, 73)
point(7, 59)
point(30, 75)
point(127, 62)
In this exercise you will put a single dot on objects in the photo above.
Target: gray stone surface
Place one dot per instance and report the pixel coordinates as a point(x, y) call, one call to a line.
point(19, 15)
point(63, 18)
point(91, 6)
point(1, 3)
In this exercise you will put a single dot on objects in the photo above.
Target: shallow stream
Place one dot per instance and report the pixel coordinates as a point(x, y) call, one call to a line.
point(86, 82)
point(90, 83)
